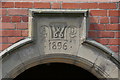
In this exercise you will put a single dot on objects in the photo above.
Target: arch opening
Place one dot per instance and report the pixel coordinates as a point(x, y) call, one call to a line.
point(56, 71)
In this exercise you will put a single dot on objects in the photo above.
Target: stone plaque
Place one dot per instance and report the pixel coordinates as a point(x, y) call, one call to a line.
point(59, 32)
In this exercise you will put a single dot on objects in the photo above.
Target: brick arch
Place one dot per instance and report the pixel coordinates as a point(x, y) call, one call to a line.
point(91, 57)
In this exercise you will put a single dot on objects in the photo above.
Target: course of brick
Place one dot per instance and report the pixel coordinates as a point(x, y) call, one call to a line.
point(104, 20)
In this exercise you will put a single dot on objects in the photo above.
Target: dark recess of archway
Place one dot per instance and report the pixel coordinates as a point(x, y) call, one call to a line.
point(55, 71)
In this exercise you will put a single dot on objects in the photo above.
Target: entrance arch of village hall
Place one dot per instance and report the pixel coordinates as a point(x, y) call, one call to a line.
point(59, 36)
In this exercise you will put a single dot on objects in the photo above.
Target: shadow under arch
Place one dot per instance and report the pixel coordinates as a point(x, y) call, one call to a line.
point(55, 71)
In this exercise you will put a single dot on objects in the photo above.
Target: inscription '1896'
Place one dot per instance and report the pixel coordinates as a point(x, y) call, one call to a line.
point(58, 45)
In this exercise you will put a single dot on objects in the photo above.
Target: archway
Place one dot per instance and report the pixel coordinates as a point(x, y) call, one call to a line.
point(43, 46)
point(55, 71)
point(94, 59)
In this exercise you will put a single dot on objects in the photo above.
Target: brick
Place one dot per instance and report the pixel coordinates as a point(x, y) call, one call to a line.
point(114, 48)
point(80, 5)
point(93, 27)
point(97, 27)
point(100, 26)
point(94, 19)
point(14, 39)
point(103, 41)
point(88, 5)
point(25, 18)
point(16, 18)
point(4, 46)
point(92, 34)
point(106, 34)
point(104, 20)
point(41, 5)
point(119, 19)
point(17, 12)
point(98, 12)
point(21, 25)
point(117, 34)
point(25, 33)
point(56, 5)
point(114, 20)
point(10, 33)
point(7, 4)
point(3, 39)
point(3, 11)
point(7, 26)
point(114, 12)
point(112, 26)
point(23, 4)
point(114, 42)
point(107, 5)
point(10, 39)
point(70, 5)
point(6, 19)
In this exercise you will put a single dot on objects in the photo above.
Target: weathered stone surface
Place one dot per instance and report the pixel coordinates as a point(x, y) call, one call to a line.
point(28, 53)
point(59, 33)
point(9, 63)
point(88, 52)
point(105, 65)
point(115, 73)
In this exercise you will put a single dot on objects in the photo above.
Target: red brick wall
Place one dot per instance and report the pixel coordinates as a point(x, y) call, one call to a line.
point(104, 20)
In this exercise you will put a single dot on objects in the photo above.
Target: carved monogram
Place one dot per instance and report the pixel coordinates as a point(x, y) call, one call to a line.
point(58, 29)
